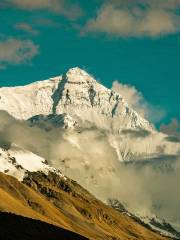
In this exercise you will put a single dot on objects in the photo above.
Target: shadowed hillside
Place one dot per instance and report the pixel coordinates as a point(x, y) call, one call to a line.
point(17, 227)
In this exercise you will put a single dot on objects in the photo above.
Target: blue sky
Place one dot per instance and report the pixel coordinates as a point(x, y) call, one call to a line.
point(128, 41)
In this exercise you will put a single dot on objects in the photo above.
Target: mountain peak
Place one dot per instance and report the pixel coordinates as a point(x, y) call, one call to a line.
point(78, 75)
point(77, 71)
point(77, 94)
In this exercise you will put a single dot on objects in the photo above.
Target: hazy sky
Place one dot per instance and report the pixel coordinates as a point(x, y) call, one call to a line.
point(133, 42)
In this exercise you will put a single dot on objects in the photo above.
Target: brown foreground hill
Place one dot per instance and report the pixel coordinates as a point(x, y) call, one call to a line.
point(66, 204)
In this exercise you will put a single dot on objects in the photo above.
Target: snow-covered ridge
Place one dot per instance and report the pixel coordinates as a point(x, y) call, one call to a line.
point(17, 162)
point(151, 221)
point(49, 121)
point(75, 93)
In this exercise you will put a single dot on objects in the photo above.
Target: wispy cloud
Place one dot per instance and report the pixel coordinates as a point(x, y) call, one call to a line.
point(63, 7)
point(136, 18)
point(25, 27)
point(137, 101)
point(15, 51)
point(46, 22)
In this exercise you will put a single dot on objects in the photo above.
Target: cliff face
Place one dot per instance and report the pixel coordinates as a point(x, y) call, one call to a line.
point(66, 204)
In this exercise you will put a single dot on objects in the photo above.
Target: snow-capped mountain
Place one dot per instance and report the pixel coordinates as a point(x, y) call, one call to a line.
point(75, 93)
point(77, 100)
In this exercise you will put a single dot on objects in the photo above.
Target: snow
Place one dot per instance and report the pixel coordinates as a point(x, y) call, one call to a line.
point(27, 160)
point(26, 101)
point(6, 165)
point(151, 220)
point(53, 120)
point(159, 226)
point(17, 162)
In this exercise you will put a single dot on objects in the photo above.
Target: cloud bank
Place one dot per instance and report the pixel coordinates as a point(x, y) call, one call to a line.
point(62, 7)
point(25, 27)
point(138, 18)
point(136, 100)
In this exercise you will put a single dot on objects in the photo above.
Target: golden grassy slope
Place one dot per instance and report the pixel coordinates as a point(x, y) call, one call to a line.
point(68, 205)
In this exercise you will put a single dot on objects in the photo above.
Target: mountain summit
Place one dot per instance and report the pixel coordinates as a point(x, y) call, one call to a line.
point(78, 75)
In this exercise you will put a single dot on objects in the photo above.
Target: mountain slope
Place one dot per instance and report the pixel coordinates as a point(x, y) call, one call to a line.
point(17, 162)
point(66, 204)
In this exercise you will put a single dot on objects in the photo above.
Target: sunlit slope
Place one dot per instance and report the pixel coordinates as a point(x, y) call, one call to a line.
point(66, 204)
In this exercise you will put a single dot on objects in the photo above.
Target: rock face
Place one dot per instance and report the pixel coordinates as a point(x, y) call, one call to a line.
point(75, 93)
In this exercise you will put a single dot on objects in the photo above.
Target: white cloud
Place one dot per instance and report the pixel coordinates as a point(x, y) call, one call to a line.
point(26, 28)
point(136, 18)
point(136, 100)
point(14, 51)
point(62, 7)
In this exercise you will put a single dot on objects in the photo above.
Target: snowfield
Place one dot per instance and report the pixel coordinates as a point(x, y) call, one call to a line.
point(17, 162)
